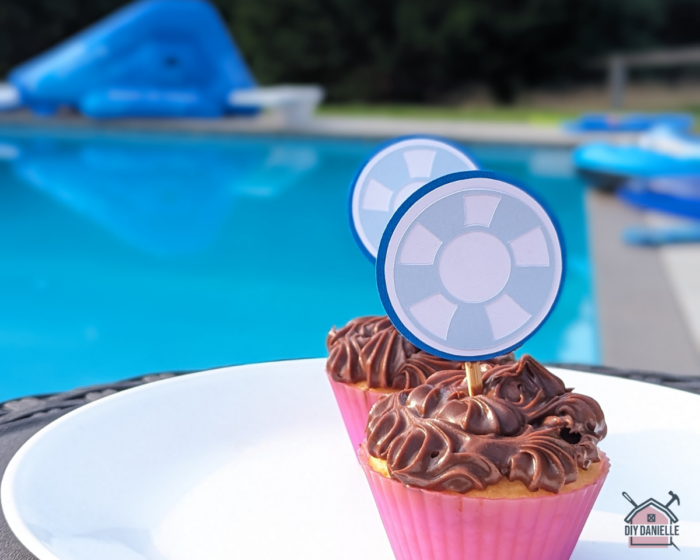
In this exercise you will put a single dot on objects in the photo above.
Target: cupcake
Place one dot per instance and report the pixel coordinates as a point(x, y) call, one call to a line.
point(509, 474)
point(368, 358)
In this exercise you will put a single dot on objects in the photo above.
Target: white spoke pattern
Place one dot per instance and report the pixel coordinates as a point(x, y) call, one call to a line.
point(505, 316)
point(377, 197)
point(479, 209)
point(419, 163)
point(435, 314)
point(420, 247)
point(530, 249)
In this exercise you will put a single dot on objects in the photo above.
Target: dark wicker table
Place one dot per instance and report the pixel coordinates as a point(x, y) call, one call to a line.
point(22, 418)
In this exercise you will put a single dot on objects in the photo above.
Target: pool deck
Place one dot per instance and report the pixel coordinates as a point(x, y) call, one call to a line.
point(648, 298)
point(332, 126)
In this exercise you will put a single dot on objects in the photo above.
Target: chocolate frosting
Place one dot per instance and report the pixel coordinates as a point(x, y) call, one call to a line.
point(525, 426)
point(370, 349)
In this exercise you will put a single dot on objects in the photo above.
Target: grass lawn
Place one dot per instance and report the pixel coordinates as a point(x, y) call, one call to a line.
point(506, 114)
point(522, 114)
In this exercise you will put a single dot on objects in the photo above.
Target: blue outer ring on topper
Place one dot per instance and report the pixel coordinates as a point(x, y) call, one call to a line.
point(383, 146)
point(391, 228)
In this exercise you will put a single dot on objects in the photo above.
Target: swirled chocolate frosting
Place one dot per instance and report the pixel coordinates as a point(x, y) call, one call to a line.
point(525, 426)
point(370, 349)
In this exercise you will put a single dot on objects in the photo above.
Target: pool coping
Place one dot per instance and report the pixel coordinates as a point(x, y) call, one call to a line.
point(331, 126)
point(644, 295)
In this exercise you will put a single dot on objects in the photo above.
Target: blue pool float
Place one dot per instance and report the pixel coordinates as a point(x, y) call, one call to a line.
point(661, 152)
point(168, 58)
point(678, 195)
point(633, 122)
point(674, 195)
point(655, 236)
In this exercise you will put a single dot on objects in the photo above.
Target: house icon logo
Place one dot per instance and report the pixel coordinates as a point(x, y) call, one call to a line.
point(652, 524)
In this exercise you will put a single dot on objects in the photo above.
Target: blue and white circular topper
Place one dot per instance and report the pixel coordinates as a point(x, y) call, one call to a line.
point(469, 266)
point(390, 176)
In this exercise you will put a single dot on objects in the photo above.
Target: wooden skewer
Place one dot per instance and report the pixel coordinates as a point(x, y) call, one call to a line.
point(473, 370)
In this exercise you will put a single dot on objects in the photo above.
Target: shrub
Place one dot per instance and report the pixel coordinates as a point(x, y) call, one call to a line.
point(398, 50)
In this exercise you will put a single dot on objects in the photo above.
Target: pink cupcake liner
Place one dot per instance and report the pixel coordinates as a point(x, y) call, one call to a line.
point(354, 407)
point(428, 525)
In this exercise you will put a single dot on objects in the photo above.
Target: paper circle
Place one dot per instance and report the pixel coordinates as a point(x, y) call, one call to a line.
point(390, 176)
point(469, 266)
point(474, 267)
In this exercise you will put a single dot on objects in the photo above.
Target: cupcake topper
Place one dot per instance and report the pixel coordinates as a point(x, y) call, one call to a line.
point(469, 267)
point(390, 176)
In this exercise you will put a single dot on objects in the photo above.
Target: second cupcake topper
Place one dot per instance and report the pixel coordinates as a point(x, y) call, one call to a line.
point(393, 173)
point(469, 267)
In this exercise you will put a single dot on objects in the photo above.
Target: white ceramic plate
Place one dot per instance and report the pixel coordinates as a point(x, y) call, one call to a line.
point(253, 462)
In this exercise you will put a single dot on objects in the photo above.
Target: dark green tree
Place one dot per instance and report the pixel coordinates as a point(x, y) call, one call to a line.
point(398, 50)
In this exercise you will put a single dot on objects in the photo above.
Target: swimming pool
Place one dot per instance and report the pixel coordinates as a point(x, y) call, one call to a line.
point(123, 254)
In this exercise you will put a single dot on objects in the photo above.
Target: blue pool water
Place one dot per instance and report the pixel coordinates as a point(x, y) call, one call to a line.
point(124, 254)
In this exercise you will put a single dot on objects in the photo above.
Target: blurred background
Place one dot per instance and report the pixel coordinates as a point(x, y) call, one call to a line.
point(132, 244)
point(464, 53)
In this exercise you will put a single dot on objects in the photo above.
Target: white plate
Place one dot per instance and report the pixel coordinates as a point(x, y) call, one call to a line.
point(253, 462)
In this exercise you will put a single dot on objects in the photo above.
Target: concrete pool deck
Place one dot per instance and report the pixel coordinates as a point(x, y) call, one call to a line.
point(648, 298)
point(333, 126)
